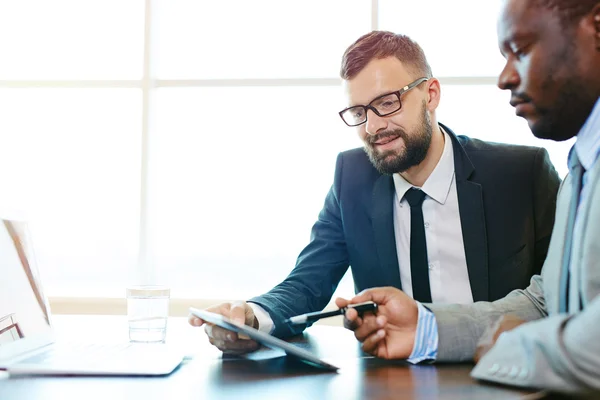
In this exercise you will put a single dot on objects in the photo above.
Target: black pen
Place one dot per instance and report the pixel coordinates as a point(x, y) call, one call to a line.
point(314, 316)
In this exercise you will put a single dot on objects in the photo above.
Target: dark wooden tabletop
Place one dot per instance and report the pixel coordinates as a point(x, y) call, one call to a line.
point(207, 374)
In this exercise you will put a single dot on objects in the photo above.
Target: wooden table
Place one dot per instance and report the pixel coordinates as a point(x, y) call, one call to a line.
point(206, 374)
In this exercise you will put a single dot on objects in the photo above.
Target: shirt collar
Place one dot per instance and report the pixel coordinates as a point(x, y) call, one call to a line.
point(437, 186)
point(587, 145)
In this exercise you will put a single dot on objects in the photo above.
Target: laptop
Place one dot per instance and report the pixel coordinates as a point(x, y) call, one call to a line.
point(27, 343)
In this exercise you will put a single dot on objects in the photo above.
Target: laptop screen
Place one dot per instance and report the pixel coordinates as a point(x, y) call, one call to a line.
point(24, 311)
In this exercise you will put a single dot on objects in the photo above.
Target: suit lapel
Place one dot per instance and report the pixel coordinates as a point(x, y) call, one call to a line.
point(383, 226)
point(472, 221)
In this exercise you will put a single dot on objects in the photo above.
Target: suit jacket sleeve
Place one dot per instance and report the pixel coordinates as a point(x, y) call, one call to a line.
point(560, 353)
point(545, 188)
point(319, 267)
point(461, 326)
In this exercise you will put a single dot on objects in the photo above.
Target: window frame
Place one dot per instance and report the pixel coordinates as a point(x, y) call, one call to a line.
point(149, 84)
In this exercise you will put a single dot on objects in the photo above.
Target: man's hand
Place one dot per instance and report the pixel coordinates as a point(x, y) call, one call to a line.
point(225, 340)
point(488, 339)
point(390, 333)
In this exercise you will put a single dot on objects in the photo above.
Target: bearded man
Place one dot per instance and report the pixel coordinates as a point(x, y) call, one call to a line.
point(444, 218)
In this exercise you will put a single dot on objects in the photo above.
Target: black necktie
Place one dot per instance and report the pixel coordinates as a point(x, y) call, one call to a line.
point(419, 270)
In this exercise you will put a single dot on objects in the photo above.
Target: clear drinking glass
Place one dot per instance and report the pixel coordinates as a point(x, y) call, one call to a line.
point(147, 312)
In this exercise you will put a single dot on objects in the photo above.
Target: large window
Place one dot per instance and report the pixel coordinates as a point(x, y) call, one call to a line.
point(192, 142)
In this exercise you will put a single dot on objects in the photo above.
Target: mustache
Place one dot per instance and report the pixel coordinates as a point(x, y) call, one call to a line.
point(384, 135)
point(524, 97)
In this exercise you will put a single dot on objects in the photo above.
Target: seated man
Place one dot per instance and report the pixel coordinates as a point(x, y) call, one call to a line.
point(445, 218)
point(552, 51)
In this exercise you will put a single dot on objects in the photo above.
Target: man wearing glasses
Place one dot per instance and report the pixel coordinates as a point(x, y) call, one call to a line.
point(445, 218)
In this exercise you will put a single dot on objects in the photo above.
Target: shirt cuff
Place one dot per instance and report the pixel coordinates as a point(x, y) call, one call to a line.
point(265, 323)
point(426, 337)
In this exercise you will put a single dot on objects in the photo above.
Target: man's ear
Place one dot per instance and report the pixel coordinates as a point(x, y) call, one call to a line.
point(434, 94)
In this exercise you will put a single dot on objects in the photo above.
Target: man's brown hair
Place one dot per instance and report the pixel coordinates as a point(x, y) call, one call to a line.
point(382, 44)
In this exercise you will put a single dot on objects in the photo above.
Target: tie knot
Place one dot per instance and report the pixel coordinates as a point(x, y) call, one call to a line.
point(414, 197)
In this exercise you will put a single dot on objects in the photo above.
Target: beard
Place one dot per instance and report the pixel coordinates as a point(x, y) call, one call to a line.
point(574, 98)
point(415, 148)
point(564, 119)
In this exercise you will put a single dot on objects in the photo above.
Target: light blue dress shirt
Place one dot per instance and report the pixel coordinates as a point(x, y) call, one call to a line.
point(426, 337)
point(587, 147)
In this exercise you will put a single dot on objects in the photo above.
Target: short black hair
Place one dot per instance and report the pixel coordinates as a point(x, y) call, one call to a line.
point(569, 11)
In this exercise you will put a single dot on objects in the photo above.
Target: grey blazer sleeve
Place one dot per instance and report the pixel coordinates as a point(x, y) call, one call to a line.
point(560, 353)
point(461, 326)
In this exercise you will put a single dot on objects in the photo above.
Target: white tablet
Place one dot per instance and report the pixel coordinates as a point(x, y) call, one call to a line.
point(263, 338)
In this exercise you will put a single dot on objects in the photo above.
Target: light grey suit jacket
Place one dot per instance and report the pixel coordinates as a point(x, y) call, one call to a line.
point(555, 351)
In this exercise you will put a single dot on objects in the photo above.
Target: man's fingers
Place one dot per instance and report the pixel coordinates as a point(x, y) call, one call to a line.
point(218, 333)
point(237, 312)
point(352, 325)
point(195, 321)
point(507, 323)
point(237, 347)
point(222, 308)
point(371, 343)
point(363, 296)
point(377, 295)
point(351, 314)
point(341, 302)
point(370, 325)
point(351, 319)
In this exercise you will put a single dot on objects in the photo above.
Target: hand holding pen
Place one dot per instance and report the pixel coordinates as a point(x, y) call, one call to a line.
point(391, 332)
point(368, 306)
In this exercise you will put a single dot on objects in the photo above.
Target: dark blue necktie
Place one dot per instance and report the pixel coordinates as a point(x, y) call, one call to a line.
point(419, 270)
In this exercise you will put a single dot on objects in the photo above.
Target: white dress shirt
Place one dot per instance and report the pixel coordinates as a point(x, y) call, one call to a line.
point(448, 275)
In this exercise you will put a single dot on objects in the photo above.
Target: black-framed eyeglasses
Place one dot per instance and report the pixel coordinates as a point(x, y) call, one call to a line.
point(383, 105)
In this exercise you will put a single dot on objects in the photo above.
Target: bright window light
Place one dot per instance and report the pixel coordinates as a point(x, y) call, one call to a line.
point(256, 39)
point(240, 176)
point(71, 39)
point(456, 44)
point(73, 171)
point(193, 142)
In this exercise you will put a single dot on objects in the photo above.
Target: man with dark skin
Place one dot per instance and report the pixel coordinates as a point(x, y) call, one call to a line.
point(545, 336)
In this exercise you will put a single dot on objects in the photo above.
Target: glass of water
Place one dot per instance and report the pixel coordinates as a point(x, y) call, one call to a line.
point(147, 313)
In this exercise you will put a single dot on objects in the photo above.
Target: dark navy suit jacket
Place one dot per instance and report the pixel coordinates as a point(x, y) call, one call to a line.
point(507, 199)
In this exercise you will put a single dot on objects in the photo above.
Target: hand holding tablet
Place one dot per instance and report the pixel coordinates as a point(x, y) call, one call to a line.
point(262, 338)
